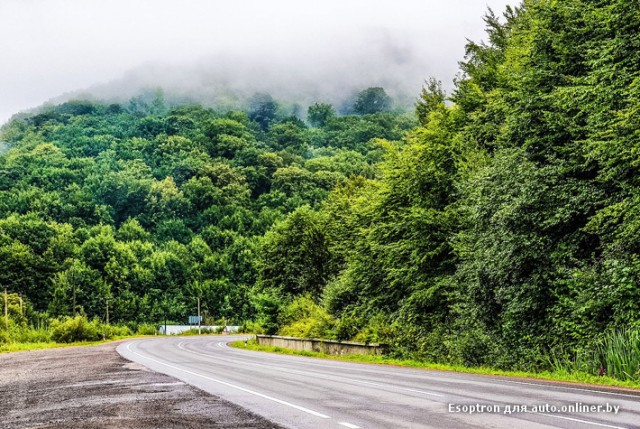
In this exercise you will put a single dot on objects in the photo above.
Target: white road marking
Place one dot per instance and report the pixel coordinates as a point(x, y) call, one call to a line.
point(292, 371)
point(181, 346)
point(349, 425)
point(552, 385)
point(397, 387)
point(456, 376)
point(224, 383)
point(583, 421)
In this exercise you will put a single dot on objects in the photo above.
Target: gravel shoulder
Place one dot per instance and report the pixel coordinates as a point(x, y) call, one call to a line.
point(94, 387)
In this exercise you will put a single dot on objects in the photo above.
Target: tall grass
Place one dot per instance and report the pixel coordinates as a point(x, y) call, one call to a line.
point(79, 328)
point(21, 333)
point(62, 330)
point(616, 354)
point(619, 354)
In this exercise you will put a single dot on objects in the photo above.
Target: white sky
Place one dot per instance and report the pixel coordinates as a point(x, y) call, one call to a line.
point(50, 47)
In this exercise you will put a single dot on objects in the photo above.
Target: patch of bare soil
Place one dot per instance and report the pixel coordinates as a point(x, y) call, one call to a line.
point(94, 387)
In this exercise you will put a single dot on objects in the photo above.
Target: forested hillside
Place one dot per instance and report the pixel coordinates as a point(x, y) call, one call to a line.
point(499, 227)
point(145, 208)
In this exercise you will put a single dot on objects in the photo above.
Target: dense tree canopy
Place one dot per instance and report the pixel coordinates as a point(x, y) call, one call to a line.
point(147, 207)
point(504, 230)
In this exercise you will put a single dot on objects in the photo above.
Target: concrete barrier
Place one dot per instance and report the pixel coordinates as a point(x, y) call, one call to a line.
point(329, 347)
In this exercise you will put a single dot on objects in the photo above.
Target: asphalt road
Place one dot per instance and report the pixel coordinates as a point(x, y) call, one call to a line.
point(300, 392)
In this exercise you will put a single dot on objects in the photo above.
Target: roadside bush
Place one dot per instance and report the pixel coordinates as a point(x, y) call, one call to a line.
point(110, 331)
point(79, 328)
point(304, 318)
point(31, 335)
point(470, 347)
point(71, 329)
point(618, 353)
point(378, 330)
point(204, 331)
point(252, 328)
point(146, 329)
point(346, 328)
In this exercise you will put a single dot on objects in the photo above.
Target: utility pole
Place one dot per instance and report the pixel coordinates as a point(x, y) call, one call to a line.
point(6, 309)
point(21, 304)
point(199, 319)
point(164, 307)
point(73, 310)
point(107, 299)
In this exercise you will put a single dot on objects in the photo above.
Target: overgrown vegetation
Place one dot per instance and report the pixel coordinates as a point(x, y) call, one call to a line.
point(78, 328)
point(503, 232)
point(500, 227)
point(24, 325)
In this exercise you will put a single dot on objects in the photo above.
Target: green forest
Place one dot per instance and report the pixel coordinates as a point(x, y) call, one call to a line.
point(496, 225)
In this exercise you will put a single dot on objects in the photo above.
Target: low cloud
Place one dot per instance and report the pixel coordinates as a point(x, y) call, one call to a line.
point(206, 49)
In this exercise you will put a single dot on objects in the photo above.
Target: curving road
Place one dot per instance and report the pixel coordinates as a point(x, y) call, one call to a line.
point(299, 392)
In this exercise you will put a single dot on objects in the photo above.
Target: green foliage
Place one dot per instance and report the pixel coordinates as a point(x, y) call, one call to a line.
point(252, 328)
point(263, 110)
point(79, 328)
point(615, 353)
point(379, 329)
point(319, 113)
point(431, 99)
point(107, 208)
point(146, 329)
point(268, 305)
point(293, 255)
point(304, 318)
point(372, 100)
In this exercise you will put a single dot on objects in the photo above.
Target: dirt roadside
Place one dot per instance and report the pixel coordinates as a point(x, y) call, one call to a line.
point(94, 387)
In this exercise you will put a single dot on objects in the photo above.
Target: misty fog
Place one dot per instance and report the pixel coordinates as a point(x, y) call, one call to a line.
point(218, 52)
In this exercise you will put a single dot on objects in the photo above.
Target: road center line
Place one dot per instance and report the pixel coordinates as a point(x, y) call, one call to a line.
point(455, 376)
point(224, 383)
point(349, 425)
point(291, 371)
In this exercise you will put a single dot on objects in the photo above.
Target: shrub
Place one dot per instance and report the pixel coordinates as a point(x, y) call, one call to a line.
point(31, 335)
point(378, 330)
point(110, 331)
point(79, 328)
point(146, 329)
point(71, 329)
point(304, 318)
point(252, 328)
point(205, 331)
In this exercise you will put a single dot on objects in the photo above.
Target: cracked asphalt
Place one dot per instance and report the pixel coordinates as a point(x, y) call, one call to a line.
point(94, 387)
